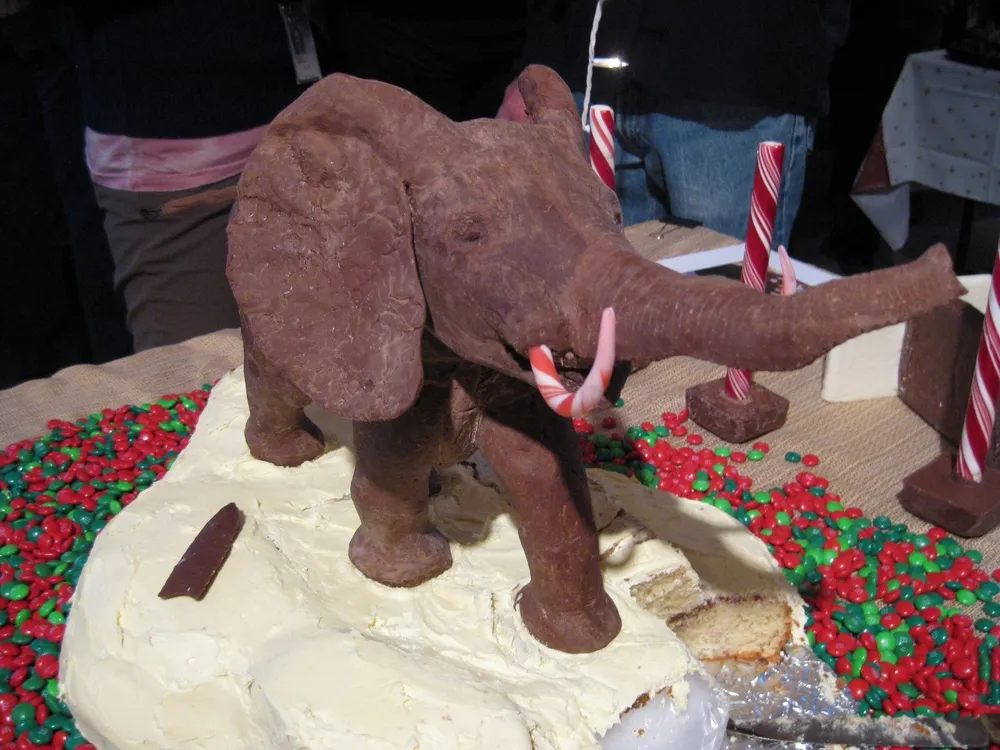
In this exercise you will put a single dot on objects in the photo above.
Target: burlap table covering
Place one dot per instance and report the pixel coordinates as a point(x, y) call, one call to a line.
point(866, 447)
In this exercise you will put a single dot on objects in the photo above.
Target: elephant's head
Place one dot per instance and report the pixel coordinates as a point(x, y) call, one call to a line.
point(365, 217)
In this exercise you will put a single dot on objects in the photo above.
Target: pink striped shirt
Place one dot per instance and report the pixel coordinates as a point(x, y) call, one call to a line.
point(166, 165)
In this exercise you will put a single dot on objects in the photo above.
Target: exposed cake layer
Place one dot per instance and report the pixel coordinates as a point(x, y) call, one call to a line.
point(728, 581)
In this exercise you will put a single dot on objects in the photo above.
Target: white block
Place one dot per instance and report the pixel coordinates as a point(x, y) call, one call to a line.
point(867, 367)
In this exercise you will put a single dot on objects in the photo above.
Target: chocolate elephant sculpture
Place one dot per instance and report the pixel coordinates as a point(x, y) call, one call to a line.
point(399, 269)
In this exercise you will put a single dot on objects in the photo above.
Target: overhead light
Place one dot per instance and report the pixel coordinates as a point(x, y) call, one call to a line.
point(609, 63)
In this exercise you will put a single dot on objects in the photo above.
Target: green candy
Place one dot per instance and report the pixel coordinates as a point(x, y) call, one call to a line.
point(33, 683)
point(918, 558)
point(724, 505)
point(700, 485)
point(22, 713)
point(984, 625)
point(992, 609)
point(723, 452)
point(909, 690)
point(987, 590)
point(755, 455)
point(792, 457)
point(965, 597)
point(859, 657)
point(886, 641)
point(15, 591)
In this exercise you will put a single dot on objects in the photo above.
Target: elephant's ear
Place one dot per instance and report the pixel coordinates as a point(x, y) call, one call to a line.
point(322, 266)
point(548, 100)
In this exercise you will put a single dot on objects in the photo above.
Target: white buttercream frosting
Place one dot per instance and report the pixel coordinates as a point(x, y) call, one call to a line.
point(293, 648)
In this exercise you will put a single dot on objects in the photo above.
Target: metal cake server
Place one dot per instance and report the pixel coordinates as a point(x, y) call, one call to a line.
point(867, 732)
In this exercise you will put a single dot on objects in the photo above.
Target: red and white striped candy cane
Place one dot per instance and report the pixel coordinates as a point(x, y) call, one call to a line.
point(589, 395)
point(602, 143)
point(760, 230)
point(982, 412)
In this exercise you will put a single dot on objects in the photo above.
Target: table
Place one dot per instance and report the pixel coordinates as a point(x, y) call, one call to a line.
point(940, 129)
point(867, 447)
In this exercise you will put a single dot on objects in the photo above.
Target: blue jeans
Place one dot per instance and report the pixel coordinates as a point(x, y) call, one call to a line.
point(698, 163)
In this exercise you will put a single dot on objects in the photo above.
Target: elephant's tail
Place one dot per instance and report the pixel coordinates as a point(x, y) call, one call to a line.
point(180, 205)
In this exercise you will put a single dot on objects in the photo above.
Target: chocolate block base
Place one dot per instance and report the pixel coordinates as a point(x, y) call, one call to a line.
point(712, 409)
point(961, 508)
point(938, 363)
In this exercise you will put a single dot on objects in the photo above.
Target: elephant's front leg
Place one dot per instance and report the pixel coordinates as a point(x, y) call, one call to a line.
point(278, 430)
point(535, 454)
point(395, 544)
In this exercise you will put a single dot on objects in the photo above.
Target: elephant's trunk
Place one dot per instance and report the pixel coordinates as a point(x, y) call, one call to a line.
point(664, 314)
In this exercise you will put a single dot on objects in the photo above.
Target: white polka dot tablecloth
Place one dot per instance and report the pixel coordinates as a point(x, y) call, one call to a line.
point(940, 129)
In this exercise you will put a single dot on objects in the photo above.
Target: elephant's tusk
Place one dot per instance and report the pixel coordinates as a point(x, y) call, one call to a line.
point(591, 393)
point(789, 284)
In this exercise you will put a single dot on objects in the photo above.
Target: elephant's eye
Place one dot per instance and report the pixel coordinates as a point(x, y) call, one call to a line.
point(470, 229)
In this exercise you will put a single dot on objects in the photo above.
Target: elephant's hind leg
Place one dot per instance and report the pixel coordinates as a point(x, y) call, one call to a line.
point(535, 454)
point(395, 544)
point(277, 431)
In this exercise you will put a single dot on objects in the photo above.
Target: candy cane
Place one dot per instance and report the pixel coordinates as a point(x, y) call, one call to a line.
point(602, 143)
point(589, 395)
point(981, 413)
point(760, 229)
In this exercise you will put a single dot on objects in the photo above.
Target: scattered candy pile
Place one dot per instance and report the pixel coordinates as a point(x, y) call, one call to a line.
point(888, 607)
point(56, 494)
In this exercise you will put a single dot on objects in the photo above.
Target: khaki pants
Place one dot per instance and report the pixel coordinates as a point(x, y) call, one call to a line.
point(171, 269)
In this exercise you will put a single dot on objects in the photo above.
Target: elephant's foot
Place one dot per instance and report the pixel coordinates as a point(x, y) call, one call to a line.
point(573, 632)
point(288, 448)
point(405, 563)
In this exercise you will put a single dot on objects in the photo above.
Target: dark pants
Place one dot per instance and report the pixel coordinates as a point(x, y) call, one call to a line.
point(170, 269)
point(57, 302)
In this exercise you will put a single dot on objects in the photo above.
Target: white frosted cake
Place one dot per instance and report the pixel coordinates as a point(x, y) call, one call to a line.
point(294, 648)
